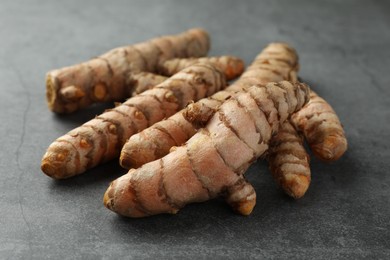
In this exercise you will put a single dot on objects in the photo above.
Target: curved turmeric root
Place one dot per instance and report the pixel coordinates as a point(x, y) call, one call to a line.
point(105, 78)
point(276, 62)
point(102, 138)
point(289, 161)
point(233, 67)
point(213, 161)
point(322, 129)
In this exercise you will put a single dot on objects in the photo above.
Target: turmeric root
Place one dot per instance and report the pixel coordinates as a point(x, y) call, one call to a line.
point(289, 161)
point(322, 129)
point(155, 141)
point(213, 161)
point(102, 138)
point(104, 78)
point(276, 62)
point(233, 66)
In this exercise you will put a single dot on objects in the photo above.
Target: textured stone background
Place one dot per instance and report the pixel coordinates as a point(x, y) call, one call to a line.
point(345, 56)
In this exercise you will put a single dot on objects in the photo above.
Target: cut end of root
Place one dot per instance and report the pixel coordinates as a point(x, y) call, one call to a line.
point(51, 91)
point(55, 97)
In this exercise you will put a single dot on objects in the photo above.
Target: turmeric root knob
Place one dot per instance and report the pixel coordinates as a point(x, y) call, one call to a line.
point(198, 113)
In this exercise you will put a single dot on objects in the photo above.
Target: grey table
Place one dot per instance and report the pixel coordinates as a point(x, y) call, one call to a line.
point(345, 56)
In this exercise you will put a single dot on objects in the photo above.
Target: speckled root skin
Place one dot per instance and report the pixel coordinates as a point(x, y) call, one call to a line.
point(102, 138)
point(213, 161)
point(322, 129)
point(104, 78)
point(276, 62)
point(232, 66)
point(289, 161)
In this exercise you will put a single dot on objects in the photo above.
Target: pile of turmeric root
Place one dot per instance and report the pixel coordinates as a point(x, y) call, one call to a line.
point(183, 132)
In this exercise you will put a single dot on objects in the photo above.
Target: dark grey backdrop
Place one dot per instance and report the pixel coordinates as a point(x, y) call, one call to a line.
point(344, 51)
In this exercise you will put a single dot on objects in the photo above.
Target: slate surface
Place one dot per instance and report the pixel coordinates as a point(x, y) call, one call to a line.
point(345, 56)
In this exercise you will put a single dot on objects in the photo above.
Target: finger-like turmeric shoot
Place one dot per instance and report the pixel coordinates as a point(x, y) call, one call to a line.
point(104, 78)
point(289, 161)
point(102, 138)
point(322, 129)
point(213, 161)
point(233, 67)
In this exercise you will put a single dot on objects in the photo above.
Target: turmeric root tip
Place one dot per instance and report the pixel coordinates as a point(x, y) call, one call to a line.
point(322, 128)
